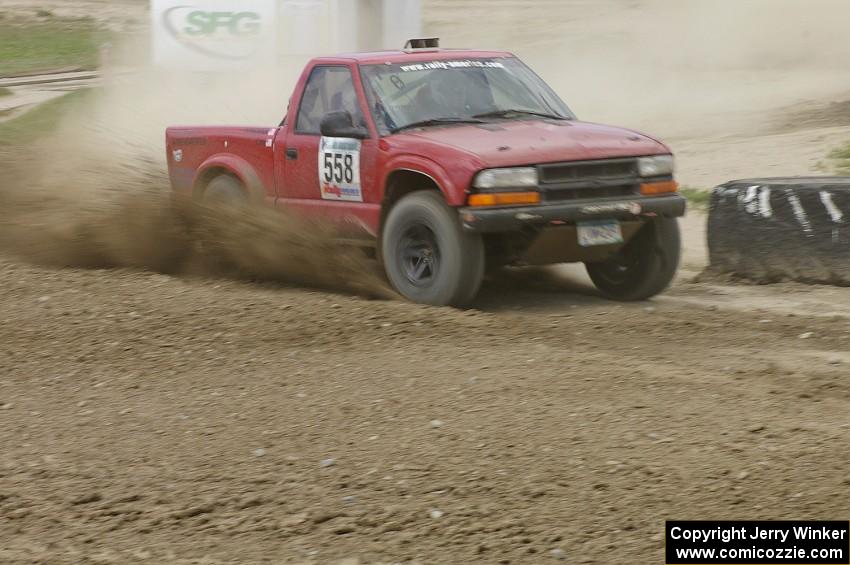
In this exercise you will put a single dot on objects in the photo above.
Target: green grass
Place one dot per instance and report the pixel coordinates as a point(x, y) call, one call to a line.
point(41, 120)
point(838, 160)
point(49, 45)
point(697, 197)
point(5, 92)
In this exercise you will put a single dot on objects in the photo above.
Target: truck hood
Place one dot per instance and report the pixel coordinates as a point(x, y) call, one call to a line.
point(528, 142)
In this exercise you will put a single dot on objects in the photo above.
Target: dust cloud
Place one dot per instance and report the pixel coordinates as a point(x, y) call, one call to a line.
point(133, 222)
point(685, 70)
point(95, 194)
point(678, 68)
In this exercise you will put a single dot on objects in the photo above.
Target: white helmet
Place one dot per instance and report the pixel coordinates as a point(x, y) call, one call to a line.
point(449, 90)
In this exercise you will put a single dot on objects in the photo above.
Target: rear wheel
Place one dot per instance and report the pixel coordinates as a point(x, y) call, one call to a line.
point(225, 190)
point(222, 200)
point(644, 267)
point(427, 256)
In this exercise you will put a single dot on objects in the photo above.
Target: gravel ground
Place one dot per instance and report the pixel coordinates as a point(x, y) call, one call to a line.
point(148, 418)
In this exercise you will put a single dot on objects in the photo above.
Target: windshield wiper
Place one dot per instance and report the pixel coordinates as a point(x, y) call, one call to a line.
point(437, 122)
point(517, 112)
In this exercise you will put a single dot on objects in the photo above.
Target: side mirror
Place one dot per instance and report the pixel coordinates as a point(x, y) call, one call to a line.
point(341, 124)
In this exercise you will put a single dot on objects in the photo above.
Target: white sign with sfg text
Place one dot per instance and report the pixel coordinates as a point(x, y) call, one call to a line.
point(214, 35)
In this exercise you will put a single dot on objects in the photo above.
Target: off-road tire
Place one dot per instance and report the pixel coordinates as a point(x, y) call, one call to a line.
point(223, 196)
point(225, 189)
point(454, 275)
point(644, 267)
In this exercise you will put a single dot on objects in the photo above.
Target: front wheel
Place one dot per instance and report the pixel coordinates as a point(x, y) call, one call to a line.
point(427, 256)
point(644, 267)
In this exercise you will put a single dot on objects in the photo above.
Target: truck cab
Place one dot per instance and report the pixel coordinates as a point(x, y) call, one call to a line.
point(446, 162)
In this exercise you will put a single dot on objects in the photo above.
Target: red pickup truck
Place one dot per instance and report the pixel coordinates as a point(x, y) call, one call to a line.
point(446, 163)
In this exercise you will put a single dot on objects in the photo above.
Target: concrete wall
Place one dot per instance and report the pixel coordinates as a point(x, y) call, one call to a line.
point(290, 30)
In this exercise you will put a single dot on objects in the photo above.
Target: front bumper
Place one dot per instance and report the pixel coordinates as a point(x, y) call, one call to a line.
point(508, 219)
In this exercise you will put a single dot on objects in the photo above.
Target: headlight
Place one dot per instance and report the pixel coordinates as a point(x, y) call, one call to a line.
point(657, 166)
point(517, 177)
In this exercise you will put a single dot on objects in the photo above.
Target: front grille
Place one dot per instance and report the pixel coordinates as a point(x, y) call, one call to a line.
point(588, 170)
point(622, 191)
point(608, 178)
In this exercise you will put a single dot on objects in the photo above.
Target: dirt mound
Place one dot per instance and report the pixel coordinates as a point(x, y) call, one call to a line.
point(812, 115)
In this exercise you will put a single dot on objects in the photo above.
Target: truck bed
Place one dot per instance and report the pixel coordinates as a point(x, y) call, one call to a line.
point(195, 148)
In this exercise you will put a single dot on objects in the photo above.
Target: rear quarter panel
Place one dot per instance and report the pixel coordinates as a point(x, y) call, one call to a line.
point(196, 154)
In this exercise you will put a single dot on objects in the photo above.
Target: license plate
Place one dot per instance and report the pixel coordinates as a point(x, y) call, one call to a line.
point(601, 232)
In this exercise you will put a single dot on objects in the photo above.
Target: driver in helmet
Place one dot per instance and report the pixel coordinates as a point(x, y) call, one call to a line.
point(445, 94)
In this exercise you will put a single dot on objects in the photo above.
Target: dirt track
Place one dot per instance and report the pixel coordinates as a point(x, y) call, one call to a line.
point(155, 419)
point(147, 418)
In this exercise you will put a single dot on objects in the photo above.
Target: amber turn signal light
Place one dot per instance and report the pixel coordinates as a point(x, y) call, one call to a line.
point(504, 198)
point(653, 188)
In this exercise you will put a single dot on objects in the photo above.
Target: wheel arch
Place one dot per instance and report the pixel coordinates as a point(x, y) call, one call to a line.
point(230, 165)
point(447, 183)
point(400, 183)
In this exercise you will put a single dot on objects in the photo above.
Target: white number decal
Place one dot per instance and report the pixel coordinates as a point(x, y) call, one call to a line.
point(339, 169)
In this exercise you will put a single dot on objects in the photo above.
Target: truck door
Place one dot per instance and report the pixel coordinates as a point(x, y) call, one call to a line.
point(329, 178)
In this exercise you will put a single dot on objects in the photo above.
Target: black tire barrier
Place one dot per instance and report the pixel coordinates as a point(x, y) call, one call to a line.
point(774, 229)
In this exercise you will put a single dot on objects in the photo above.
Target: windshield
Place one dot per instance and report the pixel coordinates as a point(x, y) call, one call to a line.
point(463, 90)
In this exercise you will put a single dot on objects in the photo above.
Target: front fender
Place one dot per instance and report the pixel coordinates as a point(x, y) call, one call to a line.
point(235, 165)
point(454, 191)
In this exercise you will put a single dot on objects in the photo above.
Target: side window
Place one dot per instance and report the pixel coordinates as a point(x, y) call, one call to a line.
point(329, 89)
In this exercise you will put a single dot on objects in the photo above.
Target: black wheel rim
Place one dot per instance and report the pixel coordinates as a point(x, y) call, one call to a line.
point(619, 268)
point(419, 255)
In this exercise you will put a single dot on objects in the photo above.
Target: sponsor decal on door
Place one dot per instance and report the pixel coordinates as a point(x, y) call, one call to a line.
point(339, 169)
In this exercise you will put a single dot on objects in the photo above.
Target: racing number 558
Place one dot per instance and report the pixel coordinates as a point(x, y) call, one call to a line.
point(338, 167)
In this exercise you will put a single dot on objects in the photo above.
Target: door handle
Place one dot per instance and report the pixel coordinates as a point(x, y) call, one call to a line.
point(291, 154)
